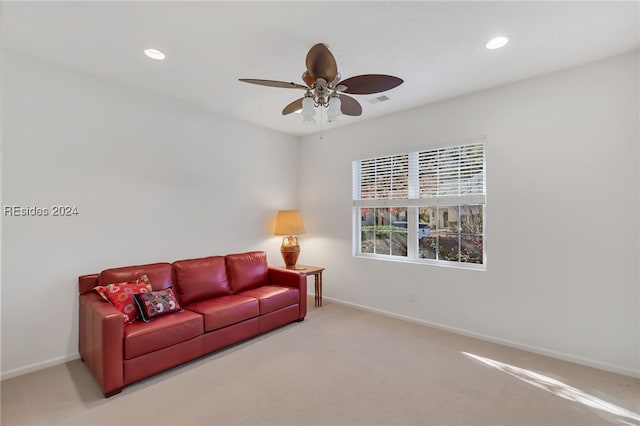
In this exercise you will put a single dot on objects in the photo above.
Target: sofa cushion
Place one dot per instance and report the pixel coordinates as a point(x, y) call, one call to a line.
point(201, 279)
point(144, 337)
point(104, 289)
point(160, 274)
point(247, 270)
point(121, 295)
point(272, 297)
point(226, 310)
point(156, 303)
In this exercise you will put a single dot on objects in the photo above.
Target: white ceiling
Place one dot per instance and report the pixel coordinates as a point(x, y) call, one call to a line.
point(436, 47)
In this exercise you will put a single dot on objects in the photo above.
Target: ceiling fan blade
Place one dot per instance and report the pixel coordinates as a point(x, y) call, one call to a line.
point(273, 83)
point(349, 106)
point(293, 107)
point(367, 84)
point(306, 77)
point(321, 63)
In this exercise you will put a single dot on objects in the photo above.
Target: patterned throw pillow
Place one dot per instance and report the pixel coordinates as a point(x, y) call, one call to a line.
point(156, 303)
point(120, 295)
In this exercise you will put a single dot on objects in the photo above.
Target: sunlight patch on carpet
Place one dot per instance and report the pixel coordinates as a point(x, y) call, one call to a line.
point(557, 388)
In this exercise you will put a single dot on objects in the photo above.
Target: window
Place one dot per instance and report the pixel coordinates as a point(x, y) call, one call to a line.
point(426, 206)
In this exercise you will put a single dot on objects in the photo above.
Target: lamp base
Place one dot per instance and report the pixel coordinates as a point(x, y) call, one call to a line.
point(290, 251)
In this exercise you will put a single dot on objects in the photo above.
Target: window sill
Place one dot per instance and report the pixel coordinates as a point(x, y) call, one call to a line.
point(428, 262)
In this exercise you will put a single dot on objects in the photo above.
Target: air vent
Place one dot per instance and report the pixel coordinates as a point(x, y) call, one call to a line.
point(378, 99)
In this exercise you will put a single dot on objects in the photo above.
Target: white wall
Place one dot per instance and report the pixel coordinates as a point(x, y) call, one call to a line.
point(153, 180)
point(562, 216)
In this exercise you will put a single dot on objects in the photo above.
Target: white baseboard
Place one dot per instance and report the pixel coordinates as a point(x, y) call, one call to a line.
point(37, 366)
point(534, 349)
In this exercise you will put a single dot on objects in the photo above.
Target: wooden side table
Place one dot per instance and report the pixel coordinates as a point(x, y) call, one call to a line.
point(316, 271)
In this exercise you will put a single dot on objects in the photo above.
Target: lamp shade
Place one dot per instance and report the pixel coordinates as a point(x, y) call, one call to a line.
point(289, 222)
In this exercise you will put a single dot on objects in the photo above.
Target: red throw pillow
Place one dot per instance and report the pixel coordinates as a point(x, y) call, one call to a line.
point(156, 303)
point(120, 295)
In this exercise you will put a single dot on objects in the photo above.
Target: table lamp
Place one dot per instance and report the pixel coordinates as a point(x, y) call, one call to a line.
point(289, 223)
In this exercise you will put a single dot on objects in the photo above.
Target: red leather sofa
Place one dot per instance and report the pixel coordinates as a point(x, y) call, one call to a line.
point(226, 299)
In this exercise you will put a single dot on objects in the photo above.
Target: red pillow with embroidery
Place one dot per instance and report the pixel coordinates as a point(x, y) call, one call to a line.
point(120, 295)
point(156, 303)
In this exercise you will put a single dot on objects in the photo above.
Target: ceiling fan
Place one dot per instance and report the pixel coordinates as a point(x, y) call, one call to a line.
point(324, 87)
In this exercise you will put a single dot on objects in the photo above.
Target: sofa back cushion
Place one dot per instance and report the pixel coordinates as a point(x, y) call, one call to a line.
point(247, 270)
point(200, 279)
point(160, 275)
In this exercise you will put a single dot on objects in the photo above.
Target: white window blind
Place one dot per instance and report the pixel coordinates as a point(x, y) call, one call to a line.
point(425, 176)
point(384, 178)
point(454, 171)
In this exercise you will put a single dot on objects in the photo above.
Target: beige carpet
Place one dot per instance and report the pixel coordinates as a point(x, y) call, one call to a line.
point(340, 366)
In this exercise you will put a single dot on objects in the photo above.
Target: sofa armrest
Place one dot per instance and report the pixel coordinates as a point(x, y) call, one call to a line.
point(293, 279)
point(100, 341)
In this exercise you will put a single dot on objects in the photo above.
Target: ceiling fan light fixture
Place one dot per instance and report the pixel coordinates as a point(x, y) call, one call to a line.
point(154, 54)
point(334, 111)
point(497, 42)
point(308, 110)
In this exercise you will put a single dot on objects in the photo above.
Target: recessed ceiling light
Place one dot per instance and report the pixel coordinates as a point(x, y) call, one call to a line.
point(497, 42)
point(154, 54)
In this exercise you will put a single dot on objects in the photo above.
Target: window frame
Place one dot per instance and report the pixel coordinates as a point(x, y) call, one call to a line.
point(413, 202)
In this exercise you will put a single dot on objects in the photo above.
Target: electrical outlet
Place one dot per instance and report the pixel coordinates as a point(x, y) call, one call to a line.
point(413, 298)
